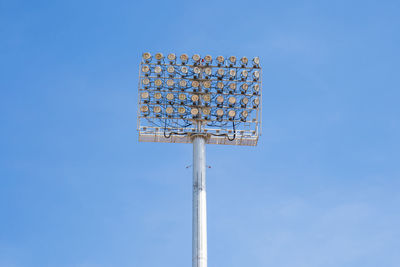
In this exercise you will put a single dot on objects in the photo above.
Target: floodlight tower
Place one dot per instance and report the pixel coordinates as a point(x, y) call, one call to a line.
point(200, 101)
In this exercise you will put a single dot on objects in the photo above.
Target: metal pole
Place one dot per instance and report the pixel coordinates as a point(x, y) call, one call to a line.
point(199, 245)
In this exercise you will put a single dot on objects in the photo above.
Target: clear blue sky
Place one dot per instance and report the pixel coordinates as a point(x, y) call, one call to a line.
point(320, 190)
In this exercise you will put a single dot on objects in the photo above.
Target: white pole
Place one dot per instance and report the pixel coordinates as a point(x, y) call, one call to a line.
point(199, 245)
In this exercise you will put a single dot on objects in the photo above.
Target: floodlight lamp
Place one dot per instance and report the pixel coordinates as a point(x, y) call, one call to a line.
point(244, 74)
point(256, 75)
point(184, 58)
point(220, 59)
point(207, 71)
point(244, 114)
point(232, 73)
point(244, 101)
point(244, 60)
point(196, 70)
point(158, 82)
point(146, 56)
point(196, 57)
point(220, 85)
point(182, 97)
point(207, 84)
point(144, 109)
point(206, 111)
point(221, 72)
point(170, 82)
point(232, 86)
point(256, 102)
point(157, 109)
point(144, 95)
point(169, 110)
point(256, 88)
point(145, 69)
point(195, 84)
point(208, 58)
point(232, 113)
point(181, 110)
point(220, 100)
point(184, 70)
point(195, 98)
point(256, 61)
point(220, 112)
point(159, 56)
point(183, 83)
point(194, 111)
point(146, 81)
point(157, 69)
point(232, 59)
point(171, 69)
point(232, 100)
point(171, 57)
point(157, 96)
point(170, 96)
point(207, 98)
point(244, 87)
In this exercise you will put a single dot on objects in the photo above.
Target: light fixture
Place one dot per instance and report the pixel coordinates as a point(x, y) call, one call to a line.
point(157, 96)
point(157, 109)
point(206, 111)
point(256, 61)
point(145, 69)
point(171, 56)
point(170, 82)
point(196, 70)
point(169, 110)
point(256, 88)
point(244, 60)
point(256, 102)
point(146, 81)
point(231, 113)
point(146, 56)
point(244, 114)
point(220, 60)
point(256, 75)
point(208, 58)
point(184, 58)
point(207, 71)
point(244, 87)
point(181, 110)
point(171, 69)
point(244, 101)
point(183, 83)
point(221, 72)
point(159, 56)
point(207, 97)
point(157, 69)
point(232, 86)
point(195, 98)
point(232, 73)
point(195, 84)
point(194, 111)
point(220, 112)
point(232, 100)
point(207, 84)
point(158, 82)
point(144, 95)
point(232, 59)
point(220, 85)
point(196, 57)
point(182, 97)
point(244, 74)
point(170, 96)
point(184, 70)
point(144, 109)
point(220, 100)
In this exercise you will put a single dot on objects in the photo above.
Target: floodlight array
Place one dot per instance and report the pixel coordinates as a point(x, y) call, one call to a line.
point(182, 95)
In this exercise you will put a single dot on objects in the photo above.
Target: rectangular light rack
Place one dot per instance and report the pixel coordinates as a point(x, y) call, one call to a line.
point(163, 119)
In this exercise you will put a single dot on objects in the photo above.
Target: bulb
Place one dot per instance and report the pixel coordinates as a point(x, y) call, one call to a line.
point(170, 82)
point(196, 70)
point(220, 85)
point(232, 113)
point(181, 110)
point(232, 100)
point(244, 114)
point(183, 83)
point(207, 71)
point(146, 56)
point(171, 56)
point(195, 98)
point(196, 57)
point(245, 86)
point(158, 82)
point(208, 58)
point(184, 57)
point(220, 112)
point(232, 72)
point(244, 60)
point(145, 81)
point(157, 69)
point(144, 95)
point(184, 69)
point(206, 111)
point(256, 102)
point(157, 109)
point(182, 97)
point(220, 99)
point(145, 68)
point(232, 86)
point(256, 75)
point(169, 110)
point(144, 109)
point(245, 101)
point(195, 84)
point(244, 73)
point(171, 69)
point(232, 59)
point(157, 96)
point(256, 87)
point(221, 72)
point(206, 98)
point(170, 96)
point(256, 61)
point(207, 84)
point(194, 111)
point(159, 56)
point(220, 59)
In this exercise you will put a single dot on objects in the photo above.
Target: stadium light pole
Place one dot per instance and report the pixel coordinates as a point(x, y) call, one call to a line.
point(201, 102)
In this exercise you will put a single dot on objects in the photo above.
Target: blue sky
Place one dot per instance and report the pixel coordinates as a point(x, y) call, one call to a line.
point(321, 189)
